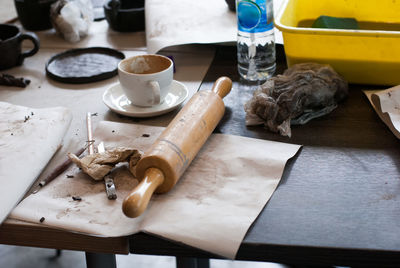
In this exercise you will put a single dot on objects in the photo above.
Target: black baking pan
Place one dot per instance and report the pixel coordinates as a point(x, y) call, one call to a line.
point(84, 65)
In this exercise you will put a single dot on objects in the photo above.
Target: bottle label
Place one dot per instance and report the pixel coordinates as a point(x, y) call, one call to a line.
point(252, 16)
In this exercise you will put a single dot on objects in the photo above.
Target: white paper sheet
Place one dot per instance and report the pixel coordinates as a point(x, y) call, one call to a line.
point(28, 139)
point(211, 207)
point(177, 22)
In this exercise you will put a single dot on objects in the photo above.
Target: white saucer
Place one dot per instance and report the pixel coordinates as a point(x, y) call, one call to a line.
point(116, 100)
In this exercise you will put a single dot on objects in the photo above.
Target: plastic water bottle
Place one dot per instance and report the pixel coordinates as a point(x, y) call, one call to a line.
point(255, 40)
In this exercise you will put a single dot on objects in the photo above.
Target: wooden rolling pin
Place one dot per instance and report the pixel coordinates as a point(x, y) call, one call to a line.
point(173, 151)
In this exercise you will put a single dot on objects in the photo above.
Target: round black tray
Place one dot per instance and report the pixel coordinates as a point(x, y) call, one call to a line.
point(84, 65)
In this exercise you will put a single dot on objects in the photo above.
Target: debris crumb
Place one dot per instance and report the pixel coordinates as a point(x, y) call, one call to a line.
point(76, 198)
point(70, 176)
point(9, 80)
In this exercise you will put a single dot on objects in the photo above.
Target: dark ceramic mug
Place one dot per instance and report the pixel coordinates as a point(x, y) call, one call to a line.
point(11, 53)
point(34, 15)
point(231, 4)
point(125, 15)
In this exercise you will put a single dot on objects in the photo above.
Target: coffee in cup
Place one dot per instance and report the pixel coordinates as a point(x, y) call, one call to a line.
point(10, 46)
point(146, 79)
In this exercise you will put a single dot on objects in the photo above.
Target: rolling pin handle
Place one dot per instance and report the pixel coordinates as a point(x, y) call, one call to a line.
point(136, 202)
point(222, 86)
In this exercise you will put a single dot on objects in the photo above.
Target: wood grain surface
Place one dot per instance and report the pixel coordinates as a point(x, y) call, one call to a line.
point(13, 232)
point(338, 201)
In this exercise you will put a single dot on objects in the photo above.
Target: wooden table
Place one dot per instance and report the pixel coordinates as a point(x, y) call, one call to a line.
point(337, 204)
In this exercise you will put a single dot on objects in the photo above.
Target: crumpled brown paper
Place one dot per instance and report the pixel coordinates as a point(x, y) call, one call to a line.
point(303, 92)
point(211, 207)
point(387, 105)
point(98, 165)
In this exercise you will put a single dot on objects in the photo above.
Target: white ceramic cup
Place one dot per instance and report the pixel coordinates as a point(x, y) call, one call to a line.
point(146, 79)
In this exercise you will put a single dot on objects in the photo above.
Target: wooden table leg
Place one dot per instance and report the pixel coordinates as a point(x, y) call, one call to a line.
point(203, 263)
point(100, 260)
point(182, 262)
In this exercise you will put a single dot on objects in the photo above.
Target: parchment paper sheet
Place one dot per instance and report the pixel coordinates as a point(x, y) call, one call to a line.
point(177, 22)
point(82, 98)
point(387, 105)
point(168, 23)
point(7, 11)
point(28, 139)
point(100, 35)
point(211, 207)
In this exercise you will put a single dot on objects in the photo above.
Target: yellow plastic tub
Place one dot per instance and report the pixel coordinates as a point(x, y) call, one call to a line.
point(370, 55)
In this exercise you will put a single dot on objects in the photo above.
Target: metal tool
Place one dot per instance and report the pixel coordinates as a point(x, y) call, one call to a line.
point(108, 180)
point(90, 140)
